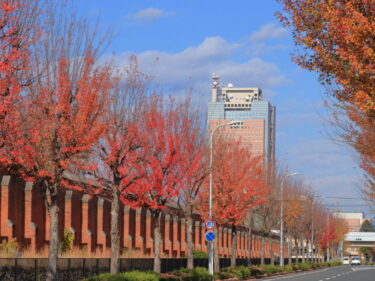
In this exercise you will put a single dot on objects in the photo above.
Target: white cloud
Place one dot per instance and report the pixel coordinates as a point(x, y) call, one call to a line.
point(269, 31)
point(329, 168)
point(196, 64)
point(148, 15)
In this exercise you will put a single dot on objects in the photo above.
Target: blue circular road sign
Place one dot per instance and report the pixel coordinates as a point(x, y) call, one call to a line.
point(210, 225)
point(210, 236)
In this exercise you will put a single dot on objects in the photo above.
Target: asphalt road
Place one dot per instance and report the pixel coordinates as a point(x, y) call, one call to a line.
point(339, 273)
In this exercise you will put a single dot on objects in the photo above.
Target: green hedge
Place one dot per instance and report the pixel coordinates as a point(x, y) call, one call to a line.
point(198, 254)
point(241, 272)
point(126, 276)
point(195, 274)
point(271, 269)
point(202, 274)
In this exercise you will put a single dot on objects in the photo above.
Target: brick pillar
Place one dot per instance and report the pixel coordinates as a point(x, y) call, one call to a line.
point(167, 241)
point(86, 233)
point(138, 226)
point(239, 239)
point(29, 226)
point(225, 230)
point(68, 211)
point(229, 241)
point(197, 236)
point(100, 227)
point(183, 246)
point(6, 224)
point(255, 247)
point(175, 241)
point(245, 245)
point(149, 240)
point(240, 246)
point(221, 240)
point(127, 236)
point(203, 238)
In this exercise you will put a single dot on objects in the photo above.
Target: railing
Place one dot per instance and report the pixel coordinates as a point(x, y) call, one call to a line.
point(34, 269)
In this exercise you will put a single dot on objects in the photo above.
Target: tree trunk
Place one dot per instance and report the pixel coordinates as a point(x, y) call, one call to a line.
point(156, 220)
point(262, 250)
point(53, 211)
point(303, 252)
point(234, 247)
point(190, 246)
point(272, 256)
point(216, 253)
point(289, 252)
point(297, 251)
point(115, 236)
point(250, 247)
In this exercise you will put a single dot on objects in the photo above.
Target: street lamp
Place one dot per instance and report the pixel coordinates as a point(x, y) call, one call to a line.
point(282, 217)
point(210, 243)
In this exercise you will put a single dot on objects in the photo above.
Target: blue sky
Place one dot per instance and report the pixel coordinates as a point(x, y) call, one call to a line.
point(181, 43)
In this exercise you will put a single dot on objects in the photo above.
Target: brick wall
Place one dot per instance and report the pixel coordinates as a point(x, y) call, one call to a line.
point(23, 216)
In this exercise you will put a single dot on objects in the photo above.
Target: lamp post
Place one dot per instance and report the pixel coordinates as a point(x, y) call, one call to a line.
point(210, 243)
point(282, 217)
point(312, 229)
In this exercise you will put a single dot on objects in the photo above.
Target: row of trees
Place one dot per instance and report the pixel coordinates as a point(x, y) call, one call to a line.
point(308, 225)
point(62, 110)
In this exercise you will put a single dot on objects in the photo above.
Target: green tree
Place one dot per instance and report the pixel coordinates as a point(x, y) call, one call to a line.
point(367, 227)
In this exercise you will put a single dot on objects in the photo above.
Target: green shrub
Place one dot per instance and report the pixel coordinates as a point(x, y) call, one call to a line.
point(9, 248)
point(227, 269)
point(287, 268)
point(67, 241)
point(242, 272)
point(126, 276)
point(256, 271)
point(271, 269)
point(295, 266)
point(226, 275)
point(201, 274)
point(333, 263)
point(196, 274)
point(175, 276)
point(139, 276)
point(315, 265)
point(198, 254)
point(304, 266)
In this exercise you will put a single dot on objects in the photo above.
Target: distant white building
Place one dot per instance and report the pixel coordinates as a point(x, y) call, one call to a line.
point(354, 220)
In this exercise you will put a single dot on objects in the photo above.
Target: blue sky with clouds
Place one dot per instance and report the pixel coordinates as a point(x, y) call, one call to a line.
point(181, 43)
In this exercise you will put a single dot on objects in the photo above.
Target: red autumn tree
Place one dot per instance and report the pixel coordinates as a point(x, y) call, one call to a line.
point(238, 186)
point(59, 125)
point(194, 164)
point(16, 29)
point(328, 235)
point(336, 40)
point(163, 167)
point(119, 149)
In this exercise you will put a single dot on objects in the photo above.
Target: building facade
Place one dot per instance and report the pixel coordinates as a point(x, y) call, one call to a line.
point(256, 129)
point(354, 220)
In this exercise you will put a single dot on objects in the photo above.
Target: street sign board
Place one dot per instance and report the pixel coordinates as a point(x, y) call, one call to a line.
point(210, 225)
point(210, 236)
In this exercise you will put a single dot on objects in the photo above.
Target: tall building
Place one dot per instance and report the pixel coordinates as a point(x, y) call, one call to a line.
point(257, 127)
